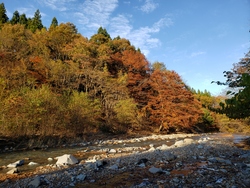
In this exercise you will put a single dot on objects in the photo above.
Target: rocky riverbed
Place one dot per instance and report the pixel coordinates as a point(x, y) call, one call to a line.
point(191, 161)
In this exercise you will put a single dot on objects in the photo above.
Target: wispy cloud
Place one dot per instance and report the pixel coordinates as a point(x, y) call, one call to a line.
point(61, 5)
point(149, 6)
point(90, 15)
point(93, 14)
point(194, 54)
point(141, 37)
point(121, 26)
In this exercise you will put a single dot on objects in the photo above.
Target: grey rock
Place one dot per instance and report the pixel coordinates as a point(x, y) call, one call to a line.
point(154, 170)
point(113, 167)
point(66, 160)
point(81, 177)
point(89, 166)
point(15, 164)
point(169, 156)
point(200, 147)
point(35, 182)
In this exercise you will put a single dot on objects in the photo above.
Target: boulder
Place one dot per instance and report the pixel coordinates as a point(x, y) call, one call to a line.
point(66, 160)
point(13, 171)
point(15, 164)
point(35, 182)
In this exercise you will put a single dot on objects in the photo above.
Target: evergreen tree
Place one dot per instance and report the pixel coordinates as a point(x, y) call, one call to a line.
point(54, 22)
point(23, 19)
point(103, 32)
point(15, 18)
point(36, 22)
point(3, 16)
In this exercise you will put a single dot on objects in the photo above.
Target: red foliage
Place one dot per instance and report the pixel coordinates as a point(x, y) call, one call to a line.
point(171, 104)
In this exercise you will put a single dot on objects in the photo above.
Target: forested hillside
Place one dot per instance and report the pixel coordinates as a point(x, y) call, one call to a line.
point(54, 81)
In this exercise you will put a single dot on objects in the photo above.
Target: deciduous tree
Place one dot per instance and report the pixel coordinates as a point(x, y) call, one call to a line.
point(171, 105)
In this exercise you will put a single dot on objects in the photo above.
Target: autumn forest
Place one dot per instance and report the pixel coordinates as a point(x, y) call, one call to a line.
point(54, 81)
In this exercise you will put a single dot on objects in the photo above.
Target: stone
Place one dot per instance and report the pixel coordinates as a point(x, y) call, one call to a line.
point(35, 182)
point(151, 149)
point(15, 164)
point(163, 147)
point(142, 161)
point(81, 177)
point(89, 166)
point(189, 140)
point(179, 143)
point(169, 156)
point(112, 151)
point(32, 163)
point(13, 171)
point(50, 159)
point(66, 160)
point(154, 170)
point(99, 164)
point(200, 147)
point(113, 167)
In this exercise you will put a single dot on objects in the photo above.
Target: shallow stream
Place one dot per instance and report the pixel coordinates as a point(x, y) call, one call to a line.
point(41, 156)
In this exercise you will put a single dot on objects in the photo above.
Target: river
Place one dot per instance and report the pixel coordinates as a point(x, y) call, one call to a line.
point(90, 149)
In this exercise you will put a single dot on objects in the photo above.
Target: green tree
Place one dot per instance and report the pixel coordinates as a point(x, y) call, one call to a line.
point(104, 32)
point(101, 37)
point(54, 23)
point(15, 18)
point(36, 22)
point(23, 20)
point(238, 80)
point(3, 16)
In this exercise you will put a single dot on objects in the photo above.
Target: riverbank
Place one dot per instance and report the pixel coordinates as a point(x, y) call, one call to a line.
point(201, 161)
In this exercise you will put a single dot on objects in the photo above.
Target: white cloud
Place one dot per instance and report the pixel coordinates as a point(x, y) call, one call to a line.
point(61, 5)
point(93, 14)
point(149, 6)
point(194, 54)
point(120, 25)
point(141, 37)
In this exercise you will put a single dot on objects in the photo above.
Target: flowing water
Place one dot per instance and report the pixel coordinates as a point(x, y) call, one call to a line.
point(41, 156)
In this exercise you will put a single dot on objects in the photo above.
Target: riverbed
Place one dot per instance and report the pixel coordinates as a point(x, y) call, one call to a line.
point(138, 146)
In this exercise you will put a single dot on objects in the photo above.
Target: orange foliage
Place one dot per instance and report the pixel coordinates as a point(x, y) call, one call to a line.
point(171, 105)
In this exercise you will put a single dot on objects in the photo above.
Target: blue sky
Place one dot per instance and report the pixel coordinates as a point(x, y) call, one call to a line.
point(199, 39)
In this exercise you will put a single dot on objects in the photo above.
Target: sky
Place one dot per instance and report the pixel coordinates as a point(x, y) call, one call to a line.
point(199, 39)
